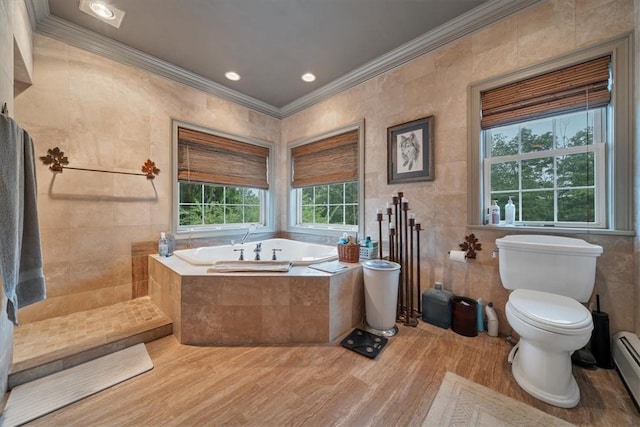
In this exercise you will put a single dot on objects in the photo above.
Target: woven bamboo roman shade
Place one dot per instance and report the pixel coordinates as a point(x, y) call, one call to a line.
point(569, 89)
point(327, 161)
point(211, 159)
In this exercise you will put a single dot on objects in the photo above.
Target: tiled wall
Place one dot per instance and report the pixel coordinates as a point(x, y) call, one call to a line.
point(437, 84)
point(107, 115)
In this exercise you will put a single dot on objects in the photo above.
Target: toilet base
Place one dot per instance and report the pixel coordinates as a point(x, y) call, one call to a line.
point(567, 393)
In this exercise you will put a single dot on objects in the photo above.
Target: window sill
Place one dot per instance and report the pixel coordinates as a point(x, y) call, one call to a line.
point(553, 230)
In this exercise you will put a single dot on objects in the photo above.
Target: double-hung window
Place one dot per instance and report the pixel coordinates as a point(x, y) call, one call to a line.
point(326, 181)
point(221, 181)
point(556, 143)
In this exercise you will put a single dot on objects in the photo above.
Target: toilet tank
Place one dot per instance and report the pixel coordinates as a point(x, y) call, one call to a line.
point(554, 264)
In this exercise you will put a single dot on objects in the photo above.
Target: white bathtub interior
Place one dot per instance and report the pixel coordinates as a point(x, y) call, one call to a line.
point(298, 253)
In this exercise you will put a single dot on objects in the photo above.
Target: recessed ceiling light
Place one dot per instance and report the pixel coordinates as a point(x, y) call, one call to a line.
point(308, 77)
point(102, 11)
point(232, 76)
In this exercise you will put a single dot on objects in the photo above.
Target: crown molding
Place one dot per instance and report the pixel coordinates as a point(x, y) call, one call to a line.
point(485, 14)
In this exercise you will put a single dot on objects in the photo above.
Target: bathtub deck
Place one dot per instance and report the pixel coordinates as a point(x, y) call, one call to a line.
point(48, 346)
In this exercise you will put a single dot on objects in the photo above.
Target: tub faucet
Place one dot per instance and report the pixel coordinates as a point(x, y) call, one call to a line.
point(257, 250)
point(251, 229)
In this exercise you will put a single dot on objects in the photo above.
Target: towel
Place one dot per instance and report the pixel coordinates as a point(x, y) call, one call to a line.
point(250, 266)
point(20, 252)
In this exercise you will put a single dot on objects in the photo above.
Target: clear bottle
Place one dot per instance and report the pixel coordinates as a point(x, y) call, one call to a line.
point(163, 245)
point(492, 321)
point(510, 213)
point(436, 306)
point(495, 213)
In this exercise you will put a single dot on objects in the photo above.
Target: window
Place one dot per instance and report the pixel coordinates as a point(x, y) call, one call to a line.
point(329, 205)
point(556, 138)
point(203, 205)
point(221, 181)
point(326, 180)
point(552, 168)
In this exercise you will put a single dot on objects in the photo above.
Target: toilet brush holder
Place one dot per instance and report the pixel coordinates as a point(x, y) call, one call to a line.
point(600, 339)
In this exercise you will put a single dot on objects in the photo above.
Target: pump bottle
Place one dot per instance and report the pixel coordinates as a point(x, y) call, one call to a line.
point(495, 213)
point(510, 213)
point(163, 245)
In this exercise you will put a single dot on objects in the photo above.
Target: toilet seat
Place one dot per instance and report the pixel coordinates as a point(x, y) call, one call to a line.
point(550, 312)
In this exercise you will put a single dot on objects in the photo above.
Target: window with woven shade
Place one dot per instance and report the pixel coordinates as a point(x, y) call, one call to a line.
point(326, 180)
point(327, 161)
point(555, 139)
point(213, 159)
point(222, 181)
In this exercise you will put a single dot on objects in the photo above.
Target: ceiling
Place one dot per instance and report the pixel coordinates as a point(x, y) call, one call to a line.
point(270, 43)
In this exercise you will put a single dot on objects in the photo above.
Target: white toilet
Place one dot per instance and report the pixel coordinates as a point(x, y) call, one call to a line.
point(550, 277)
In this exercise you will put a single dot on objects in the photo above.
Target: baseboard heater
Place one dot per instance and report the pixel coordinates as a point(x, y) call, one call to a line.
point(626, 356)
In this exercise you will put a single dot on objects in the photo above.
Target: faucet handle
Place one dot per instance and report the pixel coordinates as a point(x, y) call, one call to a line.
point(241, 254)
point(273, 258)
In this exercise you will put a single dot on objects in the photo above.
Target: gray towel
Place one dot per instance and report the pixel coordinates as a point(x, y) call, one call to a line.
point(20, 253)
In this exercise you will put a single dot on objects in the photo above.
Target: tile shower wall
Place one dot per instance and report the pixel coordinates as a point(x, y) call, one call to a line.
point(436, 84)
point(106, 115)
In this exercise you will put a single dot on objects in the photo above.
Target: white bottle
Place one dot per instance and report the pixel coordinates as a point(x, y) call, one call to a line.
point(495, 213)
point(492, 320)
point(509, 213)
point(163, 245)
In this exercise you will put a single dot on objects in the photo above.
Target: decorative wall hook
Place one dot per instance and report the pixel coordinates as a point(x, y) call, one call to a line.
point(57, 162)
point(470, 246)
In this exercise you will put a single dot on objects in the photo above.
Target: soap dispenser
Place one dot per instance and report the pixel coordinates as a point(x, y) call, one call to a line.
point(510, 213)
point(163, 245)
point(495, 213)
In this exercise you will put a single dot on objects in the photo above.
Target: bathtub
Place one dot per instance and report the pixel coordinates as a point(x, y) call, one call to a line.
point(302, 305)
point(298, 253)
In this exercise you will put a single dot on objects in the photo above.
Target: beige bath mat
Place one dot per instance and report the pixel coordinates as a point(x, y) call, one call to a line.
point(37, 398)
point(461, 402)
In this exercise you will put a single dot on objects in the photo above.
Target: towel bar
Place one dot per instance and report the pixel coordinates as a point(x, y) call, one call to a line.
point(57, 162)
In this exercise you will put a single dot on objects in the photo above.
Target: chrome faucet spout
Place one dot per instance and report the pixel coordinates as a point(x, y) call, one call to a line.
point(251, 229)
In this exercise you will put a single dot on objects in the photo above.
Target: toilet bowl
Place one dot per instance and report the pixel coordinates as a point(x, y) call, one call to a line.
point(551, 327)
point(550, 277)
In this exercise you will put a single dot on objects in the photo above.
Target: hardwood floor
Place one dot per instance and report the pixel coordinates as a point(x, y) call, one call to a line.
point(321, 385)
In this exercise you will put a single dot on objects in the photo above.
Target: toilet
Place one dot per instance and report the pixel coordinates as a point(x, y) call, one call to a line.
point(550, 277)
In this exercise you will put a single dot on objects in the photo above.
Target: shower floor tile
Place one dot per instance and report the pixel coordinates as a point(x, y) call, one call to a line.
point(61, 342)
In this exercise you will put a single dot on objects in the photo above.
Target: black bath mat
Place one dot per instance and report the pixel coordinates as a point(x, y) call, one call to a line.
point(365, 343)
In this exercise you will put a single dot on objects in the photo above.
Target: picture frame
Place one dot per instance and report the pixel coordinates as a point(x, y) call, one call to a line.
point(410, 151)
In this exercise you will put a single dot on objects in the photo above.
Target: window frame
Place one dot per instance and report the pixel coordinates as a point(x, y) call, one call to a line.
point(292, 193)
point(619, 157)
point(598, 148)
point(219, 229)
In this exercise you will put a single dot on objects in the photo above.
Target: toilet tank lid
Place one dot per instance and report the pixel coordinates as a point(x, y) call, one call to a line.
point(549, 244)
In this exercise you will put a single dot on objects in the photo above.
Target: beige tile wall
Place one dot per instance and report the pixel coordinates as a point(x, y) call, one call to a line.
point(107, 115)
point(436, 84)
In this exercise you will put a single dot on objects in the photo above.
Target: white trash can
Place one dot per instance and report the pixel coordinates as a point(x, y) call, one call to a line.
point(381, 295)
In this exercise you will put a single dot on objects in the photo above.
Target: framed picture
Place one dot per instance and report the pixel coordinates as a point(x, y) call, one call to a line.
point(410, 152)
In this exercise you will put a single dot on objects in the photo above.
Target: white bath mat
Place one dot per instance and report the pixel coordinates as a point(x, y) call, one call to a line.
point(461, 402)
point(37, 398)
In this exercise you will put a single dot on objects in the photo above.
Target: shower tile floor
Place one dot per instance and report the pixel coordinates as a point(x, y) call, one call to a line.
point(50, 345)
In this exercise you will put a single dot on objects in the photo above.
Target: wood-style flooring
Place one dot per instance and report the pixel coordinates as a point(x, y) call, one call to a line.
point(324, 385)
